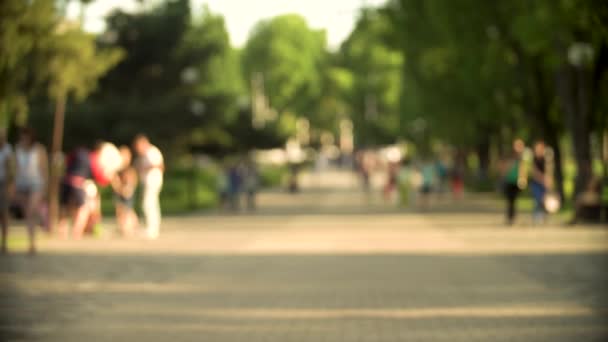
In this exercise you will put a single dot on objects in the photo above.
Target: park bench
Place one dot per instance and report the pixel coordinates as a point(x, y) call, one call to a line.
point(594, 213)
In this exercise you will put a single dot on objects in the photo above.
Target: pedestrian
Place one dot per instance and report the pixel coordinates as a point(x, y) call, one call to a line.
point(222, 187)
point(151, 168)
point(31, 180)
point(390, 187)
point(234, 186)
point(124, 185)
point(93, 202)
point(293, 185)
point(251, 183)
point(407, 192)
point(457, 175)
point(513, 179)
point(7, 174)
point(320, 166)
point(366, 171)
point(428, 181)
point(416, 182)
point(442, 176)
point(538, 182)
point(79, 194)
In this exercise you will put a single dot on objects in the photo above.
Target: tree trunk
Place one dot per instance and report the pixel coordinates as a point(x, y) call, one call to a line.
point(574, 95)
point(193, 190)
point(55, 162)
point(553, 141)
point(4, 113)
point(548, 127)
point(483, 154)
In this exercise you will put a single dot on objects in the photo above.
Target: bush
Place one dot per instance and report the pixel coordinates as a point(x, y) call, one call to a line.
point(184, 189)
point(272, 175)
point(476, 184)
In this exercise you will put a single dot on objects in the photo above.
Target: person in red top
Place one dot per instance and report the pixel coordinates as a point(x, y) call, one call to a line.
point(84, 169)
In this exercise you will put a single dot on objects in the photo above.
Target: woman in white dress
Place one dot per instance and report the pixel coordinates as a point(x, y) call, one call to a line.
point(31, 180)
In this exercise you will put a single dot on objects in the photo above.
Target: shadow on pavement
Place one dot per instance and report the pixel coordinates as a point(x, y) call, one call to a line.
point(75, 297)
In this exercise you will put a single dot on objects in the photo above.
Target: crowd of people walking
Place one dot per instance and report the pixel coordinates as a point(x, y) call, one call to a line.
point(25, 187)
point(409, 182)
point(522, 170)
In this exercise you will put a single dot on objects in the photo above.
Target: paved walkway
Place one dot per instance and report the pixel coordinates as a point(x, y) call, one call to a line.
point(322, 265)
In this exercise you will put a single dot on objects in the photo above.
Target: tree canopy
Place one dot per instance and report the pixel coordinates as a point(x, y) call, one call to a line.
point(288, 56)
point(470, 74)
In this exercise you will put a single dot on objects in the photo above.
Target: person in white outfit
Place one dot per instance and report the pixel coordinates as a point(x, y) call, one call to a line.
point(151, 167)
point(7, 174)
point(31, 180)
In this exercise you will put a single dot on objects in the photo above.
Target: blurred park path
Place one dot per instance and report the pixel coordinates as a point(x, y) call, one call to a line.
point(326, 264)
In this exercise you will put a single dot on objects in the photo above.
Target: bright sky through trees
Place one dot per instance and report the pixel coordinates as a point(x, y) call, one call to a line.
point(337, 17)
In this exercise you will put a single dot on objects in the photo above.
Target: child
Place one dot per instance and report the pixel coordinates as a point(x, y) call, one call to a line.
point(82, 168)
point(124, 185)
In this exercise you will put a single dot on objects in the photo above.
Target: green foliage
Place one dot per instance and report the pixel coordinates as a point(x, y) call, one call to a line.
point(73, 64)
point(206, 46)
point(272, 176)
point(182, 182)
point(288, 55)
point(179, 81)
point(373, 91)
point(40, 50)
point(471, 74)
point(178, 187)
point(479, 73)
point(446, 46)
point(24, 26)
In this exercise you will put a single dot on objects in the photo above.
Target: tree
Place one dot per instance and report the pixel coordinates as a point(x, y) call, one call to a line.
point(485, 72)
point(376, 82)
point(454, 89)
point(40, 49)
point(337, 93)
point(73, 65)
point(24, 27)
point(219, 85)
point(548, 37)
point(287, 57)
point(179, 82)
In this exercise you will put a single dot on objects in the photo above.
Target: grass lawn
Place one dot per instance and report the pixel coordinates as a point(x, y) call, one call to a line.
point(17, 241)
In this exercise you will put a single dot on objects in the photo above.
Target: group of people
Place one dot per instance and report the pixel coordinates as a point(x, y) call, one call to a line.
point(519, 172)
point(536, 172)
point(420, 180)
point(238, 179)
point(412, 182)
point(25, 185)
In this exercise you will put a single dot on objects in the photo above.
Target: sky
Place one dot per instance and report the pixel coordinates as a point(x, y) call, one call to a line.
point(337, 17)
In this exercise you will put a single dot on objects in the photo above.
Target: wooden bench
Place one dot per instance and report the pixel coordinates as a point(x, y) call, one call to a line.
point(593, 214)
